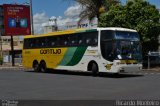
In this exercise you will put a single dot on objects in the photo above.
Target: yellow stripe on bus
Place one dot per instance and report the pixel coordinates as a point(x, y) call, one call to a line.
point(52, 56)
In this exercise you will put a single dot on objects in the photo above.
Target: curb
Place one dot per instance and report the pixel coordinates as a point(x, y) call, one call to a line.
point(13, 68)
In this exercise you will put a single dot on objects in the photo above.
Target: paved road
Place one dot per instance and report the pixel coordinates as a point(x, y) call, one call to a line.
point(29, 85)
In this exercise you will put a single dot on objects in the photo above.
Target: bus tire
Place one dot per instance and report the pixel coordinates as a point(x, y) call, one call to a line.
point(43, 67)
point(36, 66)
point(93, 67)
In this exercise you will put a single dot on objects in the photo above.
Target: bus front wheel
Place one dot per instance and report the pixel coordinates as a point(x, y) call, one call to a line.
point(93, 67)
point(43, 67)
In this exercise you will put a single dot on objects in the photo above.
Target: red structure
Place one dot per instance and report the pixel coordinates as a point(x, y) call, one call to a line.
point(16, 19)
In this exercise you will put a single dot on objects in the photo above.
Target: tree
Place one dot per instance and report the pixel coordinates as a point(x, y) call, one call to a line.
point(93, 8)
point(109, 3)
point(138, 15)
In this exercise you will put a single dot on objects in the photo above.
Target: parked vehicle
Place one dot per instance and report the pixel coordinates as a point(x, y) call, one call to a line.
point(153, 59)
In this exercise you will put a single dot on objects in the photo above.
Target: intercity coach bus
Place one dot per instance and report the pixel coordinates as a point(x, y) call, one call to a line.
point(112, 50)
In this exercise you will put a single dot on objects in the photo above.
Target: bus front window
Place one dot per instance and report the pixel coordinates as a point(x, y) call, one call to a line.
point(121, 45)
point(128, 50)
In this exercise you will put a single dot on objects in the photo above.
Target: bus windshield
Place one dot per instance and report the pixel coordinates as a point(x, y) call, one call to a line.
point(127, 35)
point(123, 45)
point(128, 50)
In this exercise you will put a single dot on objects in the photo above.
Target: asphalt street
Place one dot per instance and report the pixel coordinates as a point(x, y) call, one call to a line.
point(61, 85)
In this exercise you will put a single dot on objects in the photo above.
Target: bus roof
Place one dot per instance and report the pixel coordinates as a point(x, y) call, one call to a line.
point(117, 29)
point(62, 32)
point(79, 31)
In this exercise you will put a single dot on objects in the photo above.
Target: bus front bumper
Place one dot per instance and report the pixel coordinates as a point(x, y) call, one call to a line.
point(130, 68)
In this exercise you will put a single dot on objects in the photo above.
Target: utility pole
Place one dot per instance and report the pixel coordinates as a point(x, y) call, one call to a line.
point(1, 55)
point(149, 53)
point(12, 51)
point(31, 17)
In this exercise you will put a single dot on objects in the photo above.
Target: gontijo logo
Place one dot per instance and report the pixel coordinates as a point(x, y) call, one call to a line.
point(50, 51)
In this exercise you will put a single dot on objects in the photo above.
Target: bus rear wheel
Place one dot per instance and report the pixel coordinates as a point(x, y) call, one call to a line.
point(43, 67)
point(36, 66)
point(93, 67)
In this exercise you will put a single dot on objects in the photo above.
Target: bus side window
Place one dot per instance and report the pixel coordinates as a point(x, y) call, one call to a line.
point(63, 41)
point(52, 41)
point(32, 43)
point(44, 42)
point(73, 40)
point(37, 43)
point(87, 39)
point(40, 42)
point(69, 40)
point(80, 40)
point(94, 39)
point(66, 40)
point(26, 44)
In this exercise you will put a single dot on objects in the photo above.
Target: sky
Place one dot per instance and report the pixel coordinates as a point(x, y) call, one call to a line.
point(63, 10)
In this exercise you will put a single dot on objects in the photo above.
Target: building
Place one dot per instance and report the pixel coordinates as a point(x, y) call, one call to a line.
point(13, 22)
point(5, 43)
point(85, 23)
point(6, 48)
point(49, 28)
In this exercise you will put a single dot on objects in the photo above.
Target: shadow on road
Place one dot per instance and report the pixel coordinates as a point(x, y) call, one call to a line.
point(105, 75)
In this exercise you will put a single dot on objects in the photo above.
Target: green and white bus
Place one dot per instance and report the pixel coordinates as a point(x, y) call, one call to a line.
point(110, 50)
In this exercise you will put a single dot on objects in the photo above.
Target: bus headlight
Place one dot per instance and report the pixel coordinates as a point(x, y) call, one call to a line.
point(118, 63)
point(108, 66)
